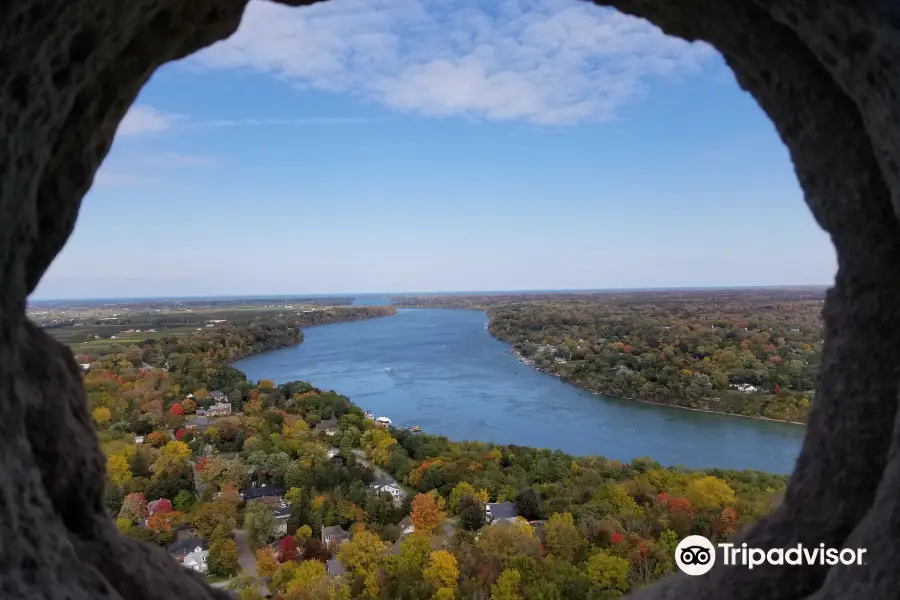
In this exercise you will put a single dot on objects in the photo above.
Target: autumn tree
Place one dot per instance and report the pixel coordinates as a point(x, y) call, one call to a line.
point(462, 490)
point(362, 552)
point(563, 539)
point(442, 571)
point(426, 515)
point(210, 515)
point(118, 470)
point(507, 586)
point(189, 406)
point(134, 507)
point(266, 562)
point(177, 410)
point(287, 549)
point(223, 557)
point(709, 492)
point(101, 415)
point(156, 439)
point(608, 573)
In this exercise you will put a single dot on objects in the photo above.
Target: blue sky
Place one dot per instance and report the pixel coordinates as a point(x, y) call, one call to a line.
point(404, 145)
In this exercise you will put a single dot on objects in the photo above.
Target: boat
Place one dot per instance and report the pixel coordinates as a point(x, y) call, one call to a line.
point(384, 421)
point(387, 369)
point(416, 429)
point(407, 427)
point(370, 415)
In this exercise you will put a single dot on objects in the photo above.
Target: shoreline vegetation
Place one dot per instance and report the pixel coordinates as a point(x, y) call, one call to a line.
point(580, 528)
point(577, 384)
point(751, 353)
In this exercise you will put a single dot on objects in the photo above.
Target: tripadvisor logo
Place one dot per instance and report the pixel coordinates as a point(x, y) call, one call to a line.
point(696, 555)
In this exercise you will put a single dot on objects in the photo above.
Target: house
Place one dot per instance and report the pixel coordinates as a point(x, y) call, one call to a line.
point(332, 452)
point(196, 561)
point(138, 439)
point(406, 527)
point(218, 396)
point(334, 535)
point(387, 486)
point(334, 567)
point(329, 427)
point(182, 548)
point(85, 366)
point(263, 491)
point(746, 388)
point(282, 513)
point(219, 409)
point(339, 460)
point(497, 512)
point(159, 505)
point(200, 412)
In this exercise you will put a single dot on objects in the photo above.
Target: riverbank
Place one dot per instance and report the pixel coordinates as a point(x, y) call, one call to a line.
point(574, 382)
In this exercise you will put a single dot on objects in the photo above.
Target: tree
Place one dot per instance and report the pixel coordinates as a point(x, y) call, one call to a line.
point(266, 562)
point(117, 469)
point(528, 504)
point(259, 524)
point(709, 492)
point(134, 507)
point(287, 549)
point(210, 515)
point(223, 557)
point(563, 539)
point(608, 572)
point(471, 513)
point(156, 439)
point(442, 571)
point(177, 410)
point(177, 451)
point(426, 515)
point(361, 552)
point(507, 586)
point(304, 533)
point(462, 490)
point(184, 501)
point(163, 505)
point(101, 415)
point(189, 406)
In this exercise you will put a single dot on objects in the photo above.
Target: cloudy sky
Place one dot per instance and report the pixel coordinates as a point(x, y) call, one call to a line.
point(404, 145)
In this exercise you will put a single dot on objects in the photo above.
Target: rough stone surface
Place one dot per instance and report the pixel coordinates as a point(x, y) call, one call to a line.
point(827, 72)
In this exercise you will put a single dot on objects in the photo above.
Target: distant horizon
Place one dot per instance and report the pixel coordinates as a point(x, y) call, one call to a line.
point(424, 293)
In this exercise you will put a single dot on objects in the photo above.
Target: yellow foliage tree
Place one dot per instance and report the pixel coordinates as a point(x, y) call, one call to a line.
point(117, 469)
point(442, 571)
point(101, 415)
point(709, 492)
point(507, 586)
point(608, 572)
point(466, 489)
point(177, 451)
point(362, 552)
point(563, 539)
point(266, 562)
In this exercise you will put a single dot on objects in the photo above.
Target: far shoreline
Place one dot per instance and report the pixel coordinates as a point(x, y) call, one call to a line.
point(650, 402)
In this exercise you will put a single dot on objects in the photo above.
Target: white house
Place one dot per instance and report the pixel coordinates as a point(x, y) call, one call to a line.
point(282, 513)
point(389, 487)
point(196, 560)
point(332, 452)
point(138, 439)
point(745, 388)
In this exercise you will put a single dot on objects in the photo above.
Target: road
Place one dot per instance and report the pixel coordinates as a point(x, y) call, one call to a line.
point(246, 557)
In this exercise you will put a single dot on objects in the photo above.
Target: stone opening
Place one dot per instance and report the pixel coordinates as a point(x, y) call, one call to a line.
point(827, 72)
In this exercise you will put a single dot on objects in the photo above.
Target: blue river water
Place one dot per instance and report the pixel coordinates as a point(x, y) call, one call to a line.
point(441, 370)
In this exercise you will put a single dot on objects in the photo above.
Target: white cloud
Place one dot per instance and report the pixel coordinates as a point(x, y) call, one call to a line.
point(143, 120)
point(544, 61)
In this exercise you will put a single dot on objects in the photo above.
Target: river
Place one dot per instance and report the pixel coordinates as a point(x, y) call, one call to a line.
point(441, 370)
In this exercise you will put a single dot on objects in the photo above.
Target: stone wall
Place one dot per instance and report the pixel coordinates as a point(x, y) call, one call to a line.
point(827, 72)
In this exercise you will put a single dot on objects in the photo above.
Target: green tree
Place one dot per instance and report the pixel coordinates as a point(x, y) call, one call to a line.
point(507, 586)
point(608, 573)
point(259, 523)
point(223, 558)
